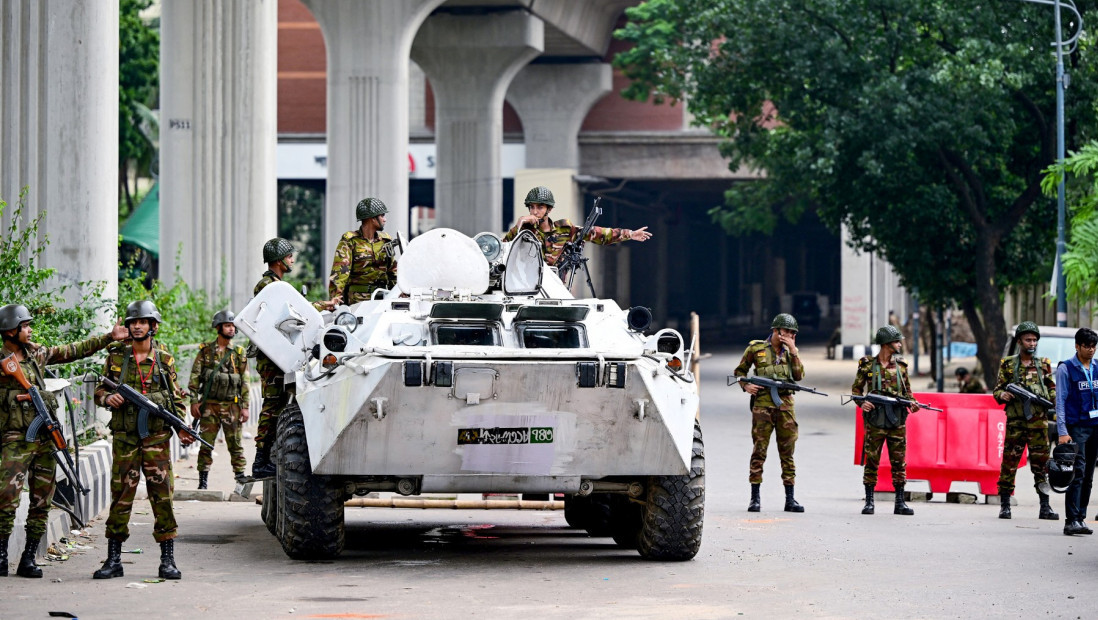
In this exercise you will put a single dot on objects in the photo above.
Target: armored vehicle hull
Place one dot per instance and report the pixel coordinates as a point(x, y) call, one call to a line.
point(481, 373)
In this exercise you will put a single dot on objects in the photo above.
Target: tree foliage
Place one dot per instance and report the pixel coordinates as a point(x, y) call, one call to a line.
point(1080, 172)
point(920, 125)
point(138, 79)
point(300, 209)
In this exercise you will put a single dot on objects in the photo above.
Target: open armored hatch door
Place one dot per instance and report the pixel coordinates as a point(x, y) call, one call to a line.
point(282, 323)
point(524, 264)
point(443, 258)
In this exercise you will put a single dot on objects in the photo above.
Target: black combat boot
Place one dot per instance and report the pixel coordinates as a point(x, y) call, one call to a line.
point(1046, 510)
point(203, 478)
point(791, 504)
point(869, 507)
point(4, 556)
point(167, 561)
point(901, 507)
point(1004, 505)
point(262, 467)
point(756, 504)
point(112, 567)
point(27, 566)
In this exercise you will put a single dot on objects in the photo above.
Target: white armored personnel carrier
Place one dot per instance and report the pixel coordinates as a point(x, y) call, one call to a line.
point(481, 373)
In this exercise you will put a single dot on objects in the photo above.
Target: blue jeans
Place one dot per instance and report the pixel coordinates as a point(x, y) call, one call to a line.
point(1078, 494)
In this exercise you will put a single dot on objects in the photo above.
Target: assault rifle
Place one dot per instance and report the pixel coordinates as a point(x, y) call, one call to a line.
point(146, 408)
point(890, 404)
point(43, 421)
point(773, 385)
point(1029, 399)
point(571, 255)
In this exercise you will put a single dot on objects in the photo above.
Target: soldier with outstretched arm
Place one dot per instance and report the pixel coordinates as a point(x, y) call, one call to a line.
point(30, 463)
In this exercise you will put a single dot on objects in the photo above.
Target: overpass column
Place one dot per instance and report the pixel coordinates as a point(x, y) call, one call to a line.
point(368, 43)
point(218, 194)
point(470, 60)
point(59, 132)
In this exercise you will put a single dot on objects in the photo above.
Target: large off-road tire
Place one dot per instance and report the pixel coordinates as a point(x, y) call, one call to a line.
point(671, 528)
point(269, 511)
point(591, 513)
point(310, 507)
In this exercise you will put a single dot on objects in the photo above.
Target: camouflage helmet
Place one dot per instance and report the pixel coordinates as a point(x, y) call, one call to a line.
point(1026, 327)
point(13, 315)
point(370, 207)
point(887, 335)
point(143, 309)
point(540, 195)
point(785, 321)
point(222, 317)
point(277, 249)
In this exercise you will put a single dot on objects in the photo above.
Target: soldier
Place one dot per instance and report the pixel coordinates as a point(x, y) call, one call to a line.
point(146, 366)
point(773, 358)
point(20, 459)
point(553, 235)
point(363, 260)
point(1035, 374)
point(219, 390)
point(884, 373)
point(968, 383)
point(278, 253)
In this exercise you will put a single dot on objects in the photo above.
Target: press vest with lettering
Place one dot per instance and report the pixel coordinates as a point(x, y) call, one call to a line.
point(1080, 396)
point(17, 415)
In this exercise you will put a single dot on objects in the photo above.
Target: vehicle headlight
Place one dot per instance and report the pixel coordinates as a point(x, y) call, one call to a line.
point(347, 321)
point(335, 340)
point(489, 244)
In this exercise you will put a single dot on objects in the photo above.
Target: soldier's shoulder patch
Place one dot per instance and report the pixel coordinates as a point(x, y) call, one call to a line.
point(563, 223)
point(384, 236)
point(866, 360)
point(350, 234)
point(755, 343)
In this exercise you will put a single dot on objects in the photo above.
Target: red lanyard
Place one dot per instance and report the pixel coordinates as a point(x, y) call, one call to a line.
point(140, 377)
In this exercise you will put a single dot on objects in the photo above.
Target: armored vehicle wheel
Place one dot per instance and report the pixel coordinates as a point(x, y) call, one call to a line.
point(591, 513)
point(269, 511)
point(671, 527)
point(310, 506)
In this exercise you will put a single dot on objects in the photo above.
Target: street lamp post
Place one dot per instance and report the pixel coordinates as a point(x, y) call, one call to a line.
point(1061, 210)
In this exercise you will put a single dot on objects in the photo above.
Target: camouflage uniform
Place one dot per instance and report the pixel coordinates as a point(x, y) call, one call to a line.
point(562, 232)
point(889, 381)
point(134, 456)
point(768, 417)
point(31, 463)
point(223, 394)
point(361, 266)
point(973, 386)
point(1020, 432)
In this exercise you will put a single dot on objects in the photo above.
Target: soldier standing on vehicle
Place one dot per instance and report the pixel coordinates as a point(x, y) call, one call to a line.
point(146, 366)
point(553, 235)
point(364, 259)
point(278, 253)
point(219, 395)
point(30, 463)
point(967, 383)
point(886, 374)
point(1077, 421)
point(1034, 374)
point(773, 358)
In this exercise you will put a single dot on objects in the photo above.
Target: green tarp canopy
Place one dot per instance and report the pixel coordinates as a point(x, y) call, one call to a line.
point(143, 227)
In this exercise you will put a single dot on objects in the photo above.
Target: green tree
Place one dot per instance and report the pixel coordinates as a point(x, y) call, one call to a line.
point(138, 78)
point(1080, 170)
point(300, 209)
point(920, 125)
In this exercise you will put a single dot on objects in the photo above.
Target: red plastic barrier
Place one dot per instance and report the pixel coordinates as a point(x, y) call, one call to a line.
point(964, 443)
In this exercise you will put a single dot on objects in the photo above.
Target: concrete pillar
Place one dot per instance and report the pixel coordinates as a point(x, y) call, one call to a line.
point(218, 194)
point(552, 101)
point(870, 288)
point(368, 43)
point(470, 60)
point(59, 132)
